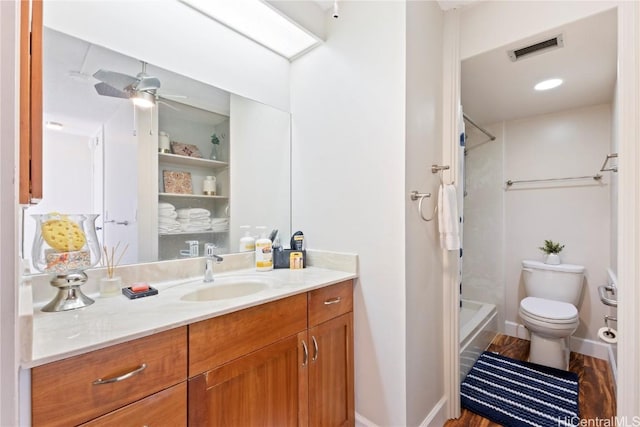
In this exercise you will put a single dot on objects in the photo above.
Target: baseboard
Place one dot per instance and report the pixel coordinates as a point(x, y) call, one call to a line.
point(517, 330)
point(436, 417)
point(361, 421)
point(584, 346)
point(613, 364)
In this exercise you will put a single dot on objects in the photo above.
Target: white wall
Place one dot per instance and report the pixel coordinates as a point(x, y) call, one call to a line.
point(348, 124)
point(8, 214)
point(575, 213)
point(423, 257)
point(366, 109)
point(67, 179)
point(484, 222)
point(490, 24)
point(173, 36)
point(260, 172)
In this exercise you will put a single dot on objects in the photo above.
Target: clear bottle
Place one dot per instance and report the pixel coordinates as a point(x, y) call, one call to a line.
point(264, 251)
point(247, 242)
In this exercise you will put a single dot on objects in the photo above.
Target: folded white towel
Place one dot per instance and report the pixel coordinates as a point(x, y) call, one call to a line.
point(192, 227)
point(164, 205)
point(448, 222)
point(168, 228)
point(168, 214)
point(167, 221)
point(197, 221)
point(193, 213)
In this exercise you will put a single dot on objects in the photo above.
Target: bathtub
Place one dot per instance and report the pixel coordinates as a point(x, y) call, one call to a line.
point(478, 327)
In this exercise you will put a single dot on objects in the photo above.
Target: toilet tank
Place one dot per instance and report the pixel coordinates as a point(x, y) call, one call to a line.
point(561, 282)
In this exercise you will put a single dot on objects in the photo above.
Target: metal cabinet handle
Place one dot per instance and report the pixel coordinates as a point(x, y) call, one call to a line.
point(305, 354)
point(332, 301)
point(315, 349)
point(122, 377)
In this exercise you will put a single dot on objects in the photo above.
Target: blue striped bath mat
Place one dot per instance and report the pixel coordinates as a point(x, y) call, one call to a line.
point(518, 394)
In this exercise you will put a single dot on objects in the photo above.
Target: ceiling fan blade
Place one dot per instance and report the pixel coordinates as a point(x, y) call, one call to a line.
point(168, 105)
point(116, 80)
point(108, 90)
point(147, 83)
point(168, 95)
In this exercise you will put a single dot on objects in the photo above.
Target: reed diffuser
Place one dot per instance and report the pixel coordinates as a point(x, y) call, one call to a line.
point(111, 285)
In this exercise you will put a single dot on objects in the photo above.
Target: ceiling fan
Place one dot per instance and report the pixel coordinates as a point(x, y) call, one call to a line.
point(141, 89)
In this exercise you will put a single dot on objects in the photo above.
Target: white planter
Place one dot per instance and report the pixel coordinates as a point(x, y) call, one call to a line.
point(552, 259)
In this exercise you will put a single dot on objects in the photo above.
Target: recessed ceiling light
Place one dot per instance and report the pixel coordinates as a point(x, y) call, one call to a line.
point(548, 84)
point(54, 125)
point(260, 22)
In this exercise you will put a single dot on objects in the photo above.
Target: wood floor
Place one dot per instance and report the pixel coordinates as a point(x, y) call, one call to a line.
point(597, 395)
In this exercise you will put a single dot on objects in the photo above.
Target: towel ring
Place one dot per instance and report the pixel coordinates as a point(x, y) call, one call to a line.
point(420, 198)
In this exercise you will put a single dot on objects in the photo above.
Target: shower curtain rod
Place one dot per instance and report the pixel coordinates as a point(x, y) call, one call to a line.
point(481, 129)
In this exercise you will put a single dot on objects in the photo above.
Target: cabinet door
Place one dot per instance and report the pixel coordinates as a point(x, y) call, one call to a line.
point(264, 388)
point(331, 373)
point(30, 101)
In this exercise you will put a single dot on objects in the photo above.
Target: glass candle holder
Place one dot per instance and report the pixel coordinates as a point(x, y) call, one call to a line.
point(65, 246)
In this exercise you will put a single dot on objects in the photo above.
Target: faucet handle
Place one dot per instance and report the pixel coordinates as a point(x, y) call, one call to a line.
point(209, 249)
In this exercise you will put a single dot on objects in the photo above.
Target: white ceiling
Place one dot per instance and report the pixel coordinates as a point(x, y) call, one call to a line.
point(495, 89)
point(69, 95)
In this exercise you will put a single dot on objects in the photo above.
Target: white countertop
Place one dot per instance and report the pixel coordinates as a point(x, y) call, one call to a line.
point(118, 319)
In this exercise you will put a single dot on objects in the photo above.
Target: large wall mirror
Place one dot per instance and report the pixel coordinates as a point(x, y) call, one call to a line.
point(107, 158)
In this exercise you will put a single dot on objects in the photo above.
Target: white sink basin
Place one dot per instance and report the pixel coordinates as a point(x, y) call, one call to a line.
point(224, 288)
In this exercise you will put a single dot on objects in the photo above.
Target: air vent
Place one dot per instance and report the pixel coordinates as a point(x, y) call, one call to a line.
point(536, 48)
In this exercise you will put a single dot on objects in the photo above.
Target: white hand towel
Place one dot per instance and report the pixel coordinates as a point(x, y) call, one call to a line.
point(448, 221)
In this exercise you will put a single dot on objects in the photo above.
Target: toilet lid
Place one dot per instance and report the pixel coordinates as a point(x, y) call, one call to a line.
point(549, 309)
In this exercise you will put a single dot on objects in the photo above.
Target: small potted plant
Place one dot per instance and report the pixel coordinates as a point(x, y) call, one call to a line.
point(215, 141)
point(552, 251)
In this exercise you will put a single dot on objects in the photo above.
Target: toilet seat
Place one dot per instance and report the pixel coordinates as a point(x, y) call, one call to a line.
point(548, 311)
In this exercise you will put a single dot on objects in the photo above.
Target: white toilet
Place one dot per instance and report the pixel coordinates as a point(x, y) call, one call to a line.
point(549, 311)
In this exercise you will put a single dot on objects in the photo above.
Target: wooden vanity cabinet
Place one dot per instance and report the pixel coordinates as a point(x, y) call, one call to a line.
point(284, 363)
point(81, 388)
point(330, 337)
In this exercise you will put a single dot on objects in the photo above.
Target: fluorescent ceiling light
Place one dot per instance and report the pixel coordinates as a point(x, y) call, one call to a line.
point(548, 84)
point(259, 22)
point(54, 125)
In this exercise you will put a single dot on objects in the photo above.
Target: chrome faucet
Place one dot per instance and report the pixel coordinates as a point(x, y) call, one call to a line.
point(208, 266)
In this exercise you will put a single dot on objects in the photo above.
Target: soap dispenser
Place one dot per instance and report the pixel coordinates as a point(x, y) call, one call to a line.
point(264, 251)
point(247, 242)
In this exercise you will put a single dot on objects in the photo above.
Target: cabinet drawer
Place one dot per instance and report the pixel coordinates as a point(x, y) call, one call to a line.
point(332, 301)
point(165, 408)
point(221, 339)
point(65, 392)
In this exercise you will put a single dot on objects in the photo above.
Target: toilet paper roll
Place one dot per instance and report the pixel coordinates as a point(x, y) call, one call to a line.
point(609, 335)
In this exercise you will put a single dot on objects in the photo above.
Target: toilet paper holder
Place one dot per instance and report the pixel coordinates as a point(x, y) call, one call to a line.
point(607, 333)
point(607, 318)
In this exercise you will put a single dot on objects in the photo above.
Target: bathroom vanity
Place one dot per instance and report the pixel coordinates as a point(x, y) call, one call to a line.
point(282, 355)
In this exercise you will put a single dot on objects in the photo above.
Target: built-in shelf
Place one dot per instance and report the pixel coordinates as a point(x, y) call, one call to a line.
point(197, 196)
point(180, 233)
point(175, 159)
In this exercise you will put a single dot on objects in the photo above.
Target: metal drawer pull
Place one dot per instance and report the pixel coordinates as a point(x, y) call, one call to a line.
point(305, 354)
point(315, 349)
point(122, 377)
point(332, 301)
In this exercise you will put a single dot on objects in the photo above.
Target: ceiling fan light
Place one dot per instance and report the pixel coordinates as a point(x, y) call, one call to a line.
point(143, 99)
